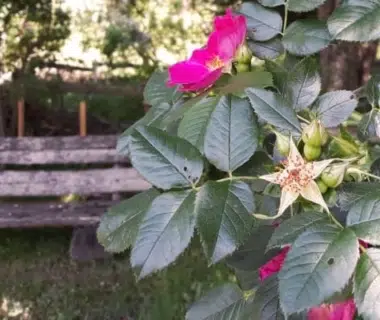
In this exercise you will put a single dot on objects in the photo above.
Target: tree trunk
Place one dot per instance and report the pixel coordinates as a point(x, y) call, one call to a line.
point(345, 65)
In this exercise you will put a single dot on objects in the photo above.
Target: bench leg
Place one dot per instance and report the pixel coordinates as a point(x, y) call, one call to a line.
point(85, 246)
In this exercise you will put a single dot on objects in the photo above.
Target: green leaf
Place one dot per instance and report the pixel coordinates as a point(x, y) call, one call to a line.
point(289, 230)
point(156, 90)
point(367, 284)
point(312, 270)
point(165, 161)
point(165, 232)
point(195, 121)
point(335, 107)
point(243, 80)
point(117, 230)
point(352, 193)
point(232, 134)
point(272, 108)
point(224, 217)
point(279, 74)
point(369, 127)
point(306, 37)
point(270, 49)
point(222, 303)
point(304, 5)
point(304, 84)
point(358, 22)
point(271, 3)
point(262, 24)
point(373, 90)
point(152, 118)
point(364, 219)
point(266, 304)
point(251, 255)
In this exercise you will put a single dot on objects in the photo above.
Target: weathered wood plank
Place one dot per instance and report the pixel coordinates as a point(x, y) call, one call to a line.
point(85, 182)
point(42, 157)
point(58, 143)
point(32, 215)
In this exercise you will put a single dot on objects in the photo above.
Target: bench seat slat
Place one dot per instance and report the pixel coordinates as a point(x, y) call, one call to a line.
point(84, 182)
point(52, 214)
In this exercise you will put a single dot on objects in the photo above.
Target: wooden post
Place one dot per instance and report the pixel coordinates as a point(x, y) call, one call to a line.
point(20, 118)
point(83, 119)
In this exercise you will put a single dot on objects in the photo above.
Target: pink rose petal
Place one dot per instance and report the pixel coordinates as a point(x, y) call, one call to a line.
point(274, 265)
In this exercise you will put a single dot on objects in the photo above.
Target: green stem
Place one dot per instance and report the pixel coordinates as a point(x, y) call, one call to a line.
point(368, 174)
point(303, 119)
point(248, 178)
point(285, 17)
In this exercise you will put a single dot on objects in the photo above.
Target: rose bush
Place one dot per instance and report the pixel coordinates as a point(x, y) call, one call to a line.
point(278, 178)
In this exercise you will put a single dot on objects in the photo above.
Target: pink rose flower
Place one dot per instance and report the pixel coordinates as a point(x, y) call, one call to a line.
point(338, 311)
point(206, 65)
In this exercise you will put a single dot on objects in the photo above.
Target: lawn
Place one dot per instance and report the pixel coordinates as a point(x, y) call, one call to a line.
point(38, 281)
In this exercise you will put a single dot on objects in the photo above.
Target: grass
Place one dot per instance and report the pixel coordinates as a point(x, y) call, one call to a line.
point(39, 281)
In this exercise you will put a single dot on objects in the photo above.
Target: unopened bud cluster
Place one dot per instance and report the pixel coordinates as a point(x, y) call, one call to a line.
point(314, 137)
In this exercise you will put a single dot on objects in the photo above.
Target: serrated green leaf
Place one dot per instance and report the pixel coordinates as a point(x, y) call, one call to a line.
point(351, 193)
point(270, 49)
point(304, 5)
point(364, 219)
point(165, 232)
point(195, 121)
point(271, 107)
point(289, 230)
point(266, 304)
point(279, 74)
point(312, 270)
point(156, 90)
point(271, 3)
point(356, 22)
point(372, 90)
point(333, 108)
point(367, 284)
point(306, 37)
point(117, 230)
point(303, 84)
point(237, 83)
point(165, 161)
point(225, 220)
point(222, 303)
point(232, 134)
point(369, 127)
point(262, 24)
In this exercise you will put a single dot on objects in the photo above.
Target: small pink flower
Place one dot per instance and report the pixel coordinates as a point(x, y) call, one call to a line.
point(338, 311)
point(274, 265)
point(206, 65)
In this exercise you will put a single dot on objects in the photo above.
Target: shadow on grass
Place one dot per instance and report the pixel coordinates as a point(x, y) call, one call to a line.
point(38, 281)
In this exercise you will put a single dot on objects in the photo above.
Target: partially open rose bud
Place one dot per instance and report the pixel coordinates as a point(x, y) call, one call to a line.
point(322, 186)
point(311, 153)
point(334, 174)
point(282, 144)
point(315, 134)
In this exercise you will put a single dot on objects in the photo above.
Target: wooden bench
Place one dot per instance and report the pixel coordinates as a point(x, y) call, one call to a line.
point(36, 172)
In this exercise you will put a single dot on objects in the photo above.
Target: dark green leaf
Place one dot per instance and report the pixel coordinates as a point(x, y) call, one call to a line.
point(270, 49)
point(289, 230)
point(367, 284)
point(364, 219)
point(272, 3)
point(232, 134)
point(272, 108)
point(222, 303)
point(312, 270)
point(237, 83)
point(266, 302)
point(262, 23)
point(117, 230)
point(152, 118)
point(156, 90)
point(373, 90)
point(335, 107)
point(358, 22)
point(352, 193)
point(306, 37)
point(304, 84)
point(194, 124)
point(279, 74)
point(165, 232)
point(225, 218)
point(164, 160)
point(304, 5)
